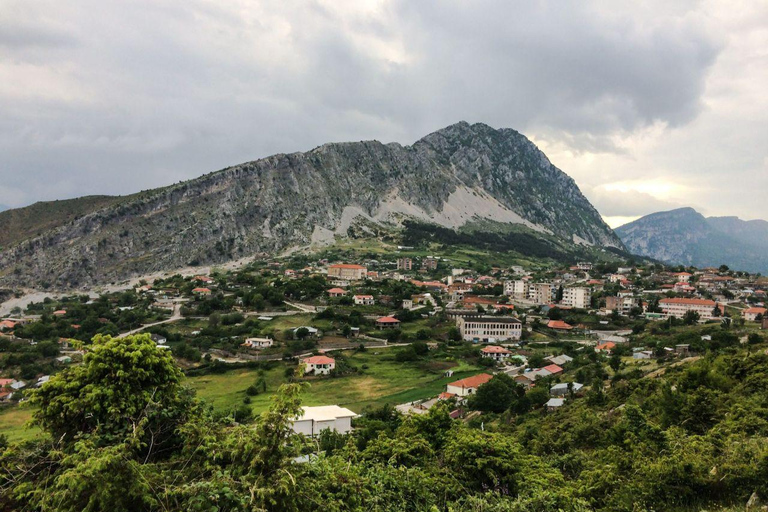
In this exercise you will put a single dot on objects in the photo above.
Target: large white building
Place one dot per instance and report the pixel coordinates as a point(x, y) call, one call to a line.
point(489, 329)
point(678, 307)
point(346, 271)
point(314, 420)
point(577, 297)
point(541, 293)
point(517, 289)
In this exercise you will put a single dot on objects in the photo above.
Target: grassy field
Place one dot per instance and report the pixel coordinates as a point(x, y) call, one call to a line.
point(384, 381)
point(13, 422)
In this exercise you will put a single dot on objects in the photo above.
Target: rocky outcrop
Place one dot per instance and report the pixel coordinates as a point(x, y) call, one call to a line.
point(450, 177)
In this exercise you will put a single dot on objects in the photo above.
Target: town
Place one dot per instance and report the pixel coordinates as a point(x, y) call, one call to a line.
point(406, 330)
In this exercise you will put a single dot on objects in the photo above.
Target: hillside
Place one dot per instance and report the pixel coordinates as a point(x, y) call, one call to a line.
point(684, 236)
point(456, 175)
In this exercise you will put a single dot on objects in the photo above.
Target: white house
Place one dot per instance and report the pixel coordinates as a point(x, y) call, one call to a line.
point(643, 354)
point(319, 365)
point(364, 300)
point(489, 329)
point(468, 386)
point(561, 388)
point(496, 353)
point(314, 420)
point(258, 343)
point(577, 297)
point(554, 404)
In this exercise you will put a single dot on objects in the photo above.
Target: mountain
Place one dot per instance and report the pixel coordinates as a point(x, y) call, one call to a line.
point(684, 236)
point(456, 175)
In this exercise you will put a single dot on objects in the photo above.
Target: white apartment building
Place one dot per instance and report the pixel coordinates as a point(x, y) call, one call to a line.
point(577, 297)
point(517, 289)
point(314, 420)
point(678, 307)
point(541, 293)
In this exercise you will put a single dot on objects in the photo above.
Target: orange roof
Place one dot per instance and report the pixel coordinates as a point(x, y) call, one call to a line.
point(387, 320)
point(690, 302)
point(318, 360)
point(553, 368)
point(756, 311)
point(608, 345)
point(7, 324)
point(337, 290)
point(346, 265)
point(201, 290)
point(445, 395)
point(472, 382)
point(60, 312)
point(559, 324)
point(363, 296)
point(493, 349)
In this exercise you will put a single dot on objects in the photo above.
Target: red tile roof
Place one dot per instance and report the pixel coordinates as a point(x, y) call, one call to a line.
point(553, 369)
point(690, 302)
point(493, 349)
point(347, 265)
point(608, 345)
point(318, 360)
point(472, 382)
point(337, 290)
point(559, 324)
point(387, 320)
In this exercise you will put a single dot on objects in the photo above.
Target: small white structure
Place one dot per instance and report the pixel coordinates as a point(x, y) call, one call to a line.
point(314, 420)
point(364, 300)
point(561, 388)
point(643, 354)
point(554, 404)
point(258, 343)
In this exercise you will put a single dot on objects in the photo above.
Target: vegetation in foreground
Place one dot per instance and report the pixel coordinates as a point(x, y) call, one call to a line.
point(124, 433)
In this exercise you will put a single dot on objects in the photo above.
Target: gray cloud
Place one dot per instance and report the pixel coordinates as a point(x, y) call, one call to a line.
point(103, 97)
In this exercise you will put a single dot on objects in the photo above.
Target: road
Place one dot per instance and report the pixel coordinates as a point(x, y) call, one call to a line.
point(176, 316)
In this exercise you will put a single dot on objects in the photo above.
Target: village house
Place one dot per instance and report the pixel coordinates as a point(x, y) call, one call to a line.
point(314, 420)
point(678, 307)
point(496, 353)
point(387, 322)
point(489, 329)
point(606, 346)
point(201, 291)
point(363, 300)
point(559, 360)
point(554, 404)
point(337, 292)
point(564, 388)
point(754, 314)
point(468, 386)
point(258, 343)
point(347, 271)
point(318, 365)
point(643, 354)
point(559, 325)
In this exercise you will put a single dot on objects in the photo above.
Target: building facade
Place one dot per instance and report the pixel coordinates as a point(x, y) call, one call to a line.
point(489, 329)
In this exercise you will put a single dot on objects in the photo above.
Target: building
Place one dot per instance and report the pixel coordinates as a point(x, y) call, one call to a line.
point(541, 293)
point(387, 322)
point(623, 305)
point(314, 420)
point(318, 365)
point(554, 404)
point(489, 329)
point(496, 353)
point(468, 386)
point(258, 343)
point(404, 264)
point(517, 289)
point(678, 307)
point(754, 314)
point(563, 388)
point(429, 263)
point(643, 354)
point(345, 271)
point(559, 360)
point(559, 325)
point(201, 291)
point(577, 297)
point(337, 292)
point(363, 300)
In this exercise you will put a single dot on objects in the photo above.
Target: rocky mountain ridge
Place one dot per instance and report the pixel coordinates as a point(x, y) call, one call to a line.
point(453, 176)
point(684, 236)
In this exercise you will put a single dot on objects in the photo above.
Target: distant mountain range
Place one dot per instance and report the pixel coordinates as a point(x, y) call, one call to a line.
point(684, 236)
point(452, 177)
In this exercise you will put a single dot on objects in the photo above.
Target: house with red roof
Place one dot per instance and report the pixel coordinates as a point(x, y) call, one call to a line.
point(553, 369)
point(754, 313)
point(496, 353)
point(364, 300)
point(318, 365)
point(60, 312)
point(387, 322)
point(201, 291)
point(337, 292)
point(347, 271)
point(7, 325)
point(468, 386)
point(559, 325)
point(608, 346)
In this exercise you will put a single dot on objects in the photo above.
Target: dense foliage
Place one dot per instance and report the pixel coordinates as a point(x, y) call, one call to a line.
point(126, 435)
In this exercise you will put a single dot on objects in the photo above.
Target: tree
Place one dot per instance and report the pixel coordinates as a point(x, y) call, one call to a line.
point(691, 317)
point(125, 387)
point(496, 395)
point(302, 333)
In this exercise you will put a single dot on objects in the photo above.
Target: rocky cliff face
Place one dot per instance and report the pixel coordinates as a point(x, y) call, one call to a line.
point(684, 236)
point(450, 177)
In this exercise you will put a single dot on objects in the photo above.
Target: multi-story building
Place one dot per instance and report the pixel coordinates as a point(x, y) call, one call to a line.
point(678, 307)
point(541, 293)
point(429, 263)
point(404, 264)
point(622, 304)
point(489, 329)
point(517, 289)
point(347, 271)
point(364, 300)
point(577, 297)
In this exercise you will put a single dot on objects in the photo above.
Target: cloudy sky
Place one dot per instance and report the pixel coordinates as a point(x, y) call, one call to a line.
point(648, 107)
